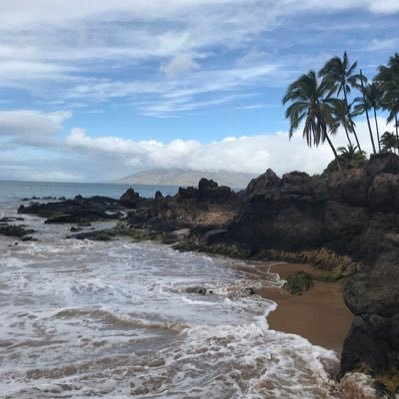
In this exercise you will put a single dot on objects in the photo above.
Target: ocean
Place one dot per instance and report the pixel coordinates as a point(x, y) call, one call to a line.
point(85, 319)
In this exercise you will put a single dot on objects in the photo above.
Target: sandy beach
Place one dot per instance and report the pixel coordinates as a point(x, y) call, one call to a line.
point(319, 314)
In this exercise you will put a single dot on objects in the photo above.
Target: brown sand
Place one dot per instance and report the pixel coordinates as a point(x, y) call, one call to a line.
point(319, 314)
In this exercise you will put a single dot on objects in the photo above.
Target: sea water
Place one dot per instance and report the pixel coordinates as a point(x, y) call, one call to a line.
point(81, 319)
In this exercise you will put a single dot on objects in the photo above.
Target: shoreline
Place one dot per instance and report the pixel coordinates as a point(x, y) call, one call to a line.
point(319, 315)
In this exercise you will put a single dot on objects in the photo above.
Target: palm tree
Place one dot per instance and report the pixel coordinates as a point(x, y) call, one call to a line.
point(342, 78)
point(351, 154)
point(388, 79)
point(343, 116)
point(363, 106)
point(389, 142)
point(310, 104)
point(373, 95)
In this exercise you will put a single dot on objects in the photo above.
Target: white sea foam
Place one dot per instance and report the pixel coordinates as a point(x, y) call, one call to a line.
point(86, 319)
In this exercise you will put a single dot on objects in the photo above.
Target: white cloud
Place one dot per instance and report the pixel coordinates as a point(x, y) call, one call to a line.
point(78, 44)
point(178, 65)
point(29, 127)
point(253, 154)
point(387, 44)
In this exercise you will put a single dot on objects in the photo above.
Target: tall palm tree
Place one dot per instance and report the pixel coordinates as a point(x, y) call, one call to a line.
point(363, 106)
point(373, 95)
point(310, 104)
point(388, 79)
point(342, 116)
point(342, 77)
point(389, 142)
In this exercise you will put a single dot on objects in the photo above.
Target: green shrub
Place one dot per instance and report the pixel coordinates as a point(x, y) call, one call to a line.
point(299, 282)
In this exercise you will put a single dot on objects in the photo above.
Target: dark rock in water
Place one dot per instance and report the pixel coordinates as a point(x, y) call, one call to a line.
point(130, 199)
point(98, 235)
point(7, 219)
point(75, 229)
point(196, 290)
point(249, 291)
point(15, 231)
point(78, 210)
point(382, 163)
point(28, 238)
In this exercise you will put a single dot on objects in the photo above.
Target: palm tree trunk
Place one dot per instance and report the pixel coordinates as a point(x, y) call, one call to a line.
point(357, 140)
point(397, 133)
point(367, 113)
point(333, 150)
point(354, 131)
point(347, 136)
point(376, 126)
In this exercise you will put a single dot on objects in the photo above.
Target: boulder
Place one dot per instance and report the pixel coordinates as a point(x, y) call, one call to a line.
point(266, 186)
point(130, 199)
point(375, 292)
point(382, 163)
point(383, 193)
point(368, 344)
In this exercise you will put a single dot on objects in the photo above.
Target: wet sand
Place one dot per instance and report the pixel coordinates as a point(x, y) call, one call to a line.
point(319, 314)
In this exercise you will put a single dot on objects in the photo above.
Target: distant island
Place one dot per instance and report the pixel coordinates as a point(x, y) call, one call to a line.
point(185, 177)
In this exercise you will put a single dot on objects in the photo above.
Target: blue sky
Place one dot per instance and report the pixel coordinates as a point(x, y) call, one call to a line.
point(96, 90)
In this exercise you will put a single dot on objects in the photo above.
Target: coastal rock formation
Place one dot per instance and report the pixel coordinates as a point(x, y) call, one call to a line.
point(77, 210)
point(353, 215)
point(208, 205)
point(130, 199)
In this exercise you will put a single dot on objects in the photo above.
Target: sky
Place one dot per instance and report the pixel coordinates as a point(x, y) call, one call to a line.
point(96, 90)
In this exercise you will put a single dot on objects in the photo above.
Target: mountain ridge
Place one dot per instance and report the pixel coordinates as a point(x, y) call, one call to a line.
point(186, 177)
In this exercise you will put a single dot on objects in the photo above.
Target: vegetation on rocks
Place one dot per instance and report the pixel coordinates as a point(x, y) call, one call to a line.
point(299, 282)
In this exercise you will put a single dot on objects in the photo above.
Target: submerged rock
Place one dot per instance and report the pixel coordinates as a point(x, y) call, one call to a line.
point(196, 290)
point(14, 230)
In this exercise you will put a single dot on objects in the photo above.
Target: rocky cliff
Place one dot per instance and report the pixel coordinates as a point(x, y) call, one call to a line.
point(354, 213)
